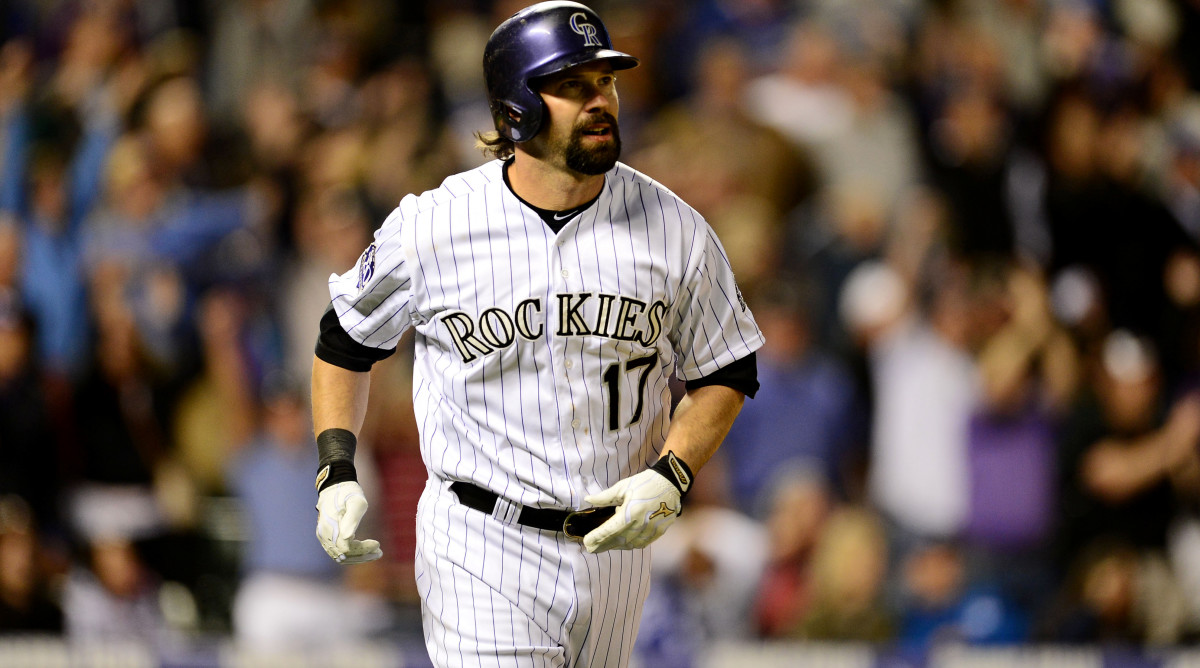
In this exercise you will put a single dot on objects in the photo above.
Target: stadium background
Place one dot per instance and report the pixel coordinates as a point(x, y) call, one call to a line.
point(968, 228)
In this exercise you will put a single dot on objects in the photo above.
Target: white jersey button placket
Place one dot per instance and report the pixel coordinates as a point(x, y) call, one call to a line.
point(564, 365)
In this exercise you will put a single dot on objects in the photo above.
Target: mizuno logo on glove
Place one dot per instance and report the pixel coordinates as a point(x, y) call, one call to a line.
point(663, 511)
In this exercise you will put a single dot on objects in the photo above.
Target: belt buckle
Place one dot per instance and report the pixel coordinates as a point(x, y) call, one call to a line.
point(580, 523)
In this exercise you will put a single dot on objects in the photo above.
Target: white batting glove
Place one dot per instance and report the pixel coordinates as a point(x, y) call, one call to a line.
point(340, 508)
point(647, 504)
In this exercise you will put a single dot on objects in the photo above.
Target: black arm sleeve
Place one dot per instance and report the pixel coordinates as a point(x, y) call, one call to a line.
point(742, 376)
point(336, 347)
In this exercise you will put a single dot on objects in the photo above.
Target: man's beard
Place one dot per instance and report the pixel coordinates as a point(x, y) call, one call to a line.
point(596, 159)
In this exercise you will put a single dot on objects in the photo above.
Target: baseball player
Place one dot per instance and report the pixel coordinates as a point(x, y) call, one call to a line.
point(553, 291)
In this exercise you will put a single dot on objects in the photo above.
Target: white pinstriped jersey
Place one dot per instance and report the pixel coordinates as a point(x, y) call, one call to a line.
point(542, 359)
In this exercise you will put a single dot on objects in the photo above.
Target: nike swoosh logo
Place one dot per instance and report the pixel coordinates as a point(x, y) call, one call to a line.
point(564, 217)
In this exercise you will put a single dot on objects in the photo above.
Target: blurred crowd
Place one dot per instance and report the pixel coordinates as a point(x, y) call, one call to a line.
point(970, 230)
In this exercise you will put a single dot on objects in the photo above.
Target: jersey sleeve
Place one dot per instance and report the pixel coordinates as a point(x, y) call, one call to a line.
point(714, 328)
point(372, 299)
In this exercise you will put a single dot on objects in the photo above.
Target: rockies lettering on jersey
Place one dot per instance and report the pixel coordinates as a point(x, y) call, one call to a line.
point(495, 327)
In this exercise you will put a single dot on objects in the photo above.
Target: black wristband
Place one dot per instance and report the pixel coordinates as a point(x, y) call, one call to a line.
point(335, 449)
point(677, 471)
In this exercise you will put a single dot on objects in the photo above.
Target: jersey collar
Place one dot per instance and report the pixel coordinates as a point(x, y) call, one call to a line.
point(555, 220)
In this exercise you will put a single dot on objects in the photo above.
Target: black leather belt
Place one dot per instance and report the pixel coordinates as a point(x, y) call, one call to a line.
point(575, 523)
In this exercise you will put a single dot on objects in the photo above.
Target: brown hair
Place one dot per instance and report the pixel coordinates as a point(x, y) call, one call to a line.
point(495, 145)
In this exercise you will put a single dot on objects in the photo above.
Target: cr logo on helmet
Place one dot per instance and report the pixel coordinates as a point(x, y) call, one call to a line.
point(584, 28)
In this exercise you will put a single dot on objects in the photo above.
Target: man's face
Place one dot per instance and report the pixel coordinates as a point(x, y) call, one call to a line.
point(581, 133)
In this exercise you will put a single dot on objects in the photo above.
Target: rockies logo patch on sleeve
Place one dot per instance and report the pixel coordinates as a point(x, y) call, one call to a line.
point(366, 266)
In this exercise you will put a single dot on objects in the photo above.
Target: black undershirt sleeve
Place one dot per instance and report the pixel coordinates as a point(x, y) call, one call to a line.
point(336, 347)
point(742, 376)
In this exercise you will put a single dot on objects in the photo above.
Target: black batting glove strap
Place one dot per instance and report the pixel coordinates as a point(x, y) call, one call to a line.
point(335, 449)
point(340, 470)
point(677, 471)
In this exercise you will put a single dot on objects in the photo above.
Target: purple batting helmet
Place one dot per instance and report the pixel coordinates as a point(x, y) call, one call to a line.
point(539, 40)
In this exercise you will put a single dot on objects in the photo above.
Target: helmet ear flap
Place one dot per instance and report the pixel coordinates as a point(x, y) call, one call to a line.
point(515, 121)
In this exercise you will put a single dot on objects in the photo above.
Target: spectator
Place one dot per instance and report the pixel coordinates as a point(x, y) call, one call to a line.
point(847, 578)
point(880, 148)
point(1094, 193)
point(969, 155)
point(810, 424)
point(110, 595)
point(217, 410)
point(275, 131)
point(805, 99)
point(262, 41)
point(57, 148)
point(291, 594)
point(153, 245)
point(1124, 441)
point(122, 408)
point(795, 526)
point(330, 229)
point(52, 271)
point(742, 175)
point(410, 147)
point(16, 85)
point(845, 226)
point(28, 444)
point(943, 607)
point(1183, 543)
point(763, 27)
point(27, 602)
point(703, 586)
point(1030, 373)
point(1183, 177)
point(927, 383)
point(1117, 595)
